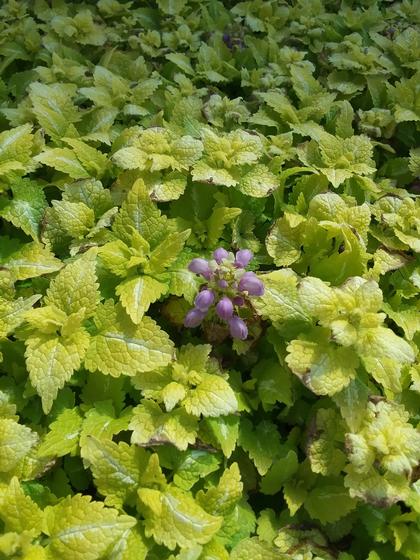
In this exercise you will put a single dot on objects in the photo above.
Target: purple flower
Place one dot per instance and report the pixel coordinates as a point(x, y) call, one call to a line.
point(224, 308)
point(228, 287)
point(220, 254)
point(239, 301)
point(204, 300)
point(243, 258)
point(200, 266)
point(251, 284)
point(237, 328)
point(193, 318)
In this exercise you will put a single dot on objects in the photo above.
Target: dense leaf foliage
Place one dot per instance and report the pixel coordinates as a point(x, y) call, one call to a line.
point(138, 137)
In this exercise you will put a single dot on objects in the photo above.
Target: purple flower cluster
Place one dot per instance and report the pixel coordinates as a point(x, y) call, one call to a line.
point(228, 287)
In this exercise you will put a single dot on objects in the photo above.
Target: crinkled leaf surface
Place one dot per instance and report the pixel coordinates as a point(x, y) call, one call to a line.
point(121, 348)
point(80, 528)
point(174, 518)
point(137, 136)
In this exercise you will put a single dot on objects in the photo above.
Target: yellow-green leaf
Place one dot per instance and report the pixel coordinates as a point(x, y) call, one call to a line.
point(174, 518)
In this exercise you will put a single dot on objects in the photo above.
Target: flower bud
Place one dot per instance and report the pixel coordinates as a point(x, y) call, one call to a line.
point(242, 258)
point(238, 328)
point(252, 284)
point(239, 301)
point(220, 254)
point(204, 299)
point(200, 266)
point(222, 284)
point(193, 318)
point(225, 308)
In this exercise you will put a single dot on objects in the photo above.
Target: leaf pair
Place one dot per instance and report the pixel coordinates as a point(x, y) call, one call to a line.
point(57, 341)
point(351, 332)
point(190, 388)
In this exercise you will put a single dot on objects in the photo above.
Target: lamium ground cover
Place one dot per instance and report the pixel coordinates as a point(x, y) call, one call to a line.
point(209, 280)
